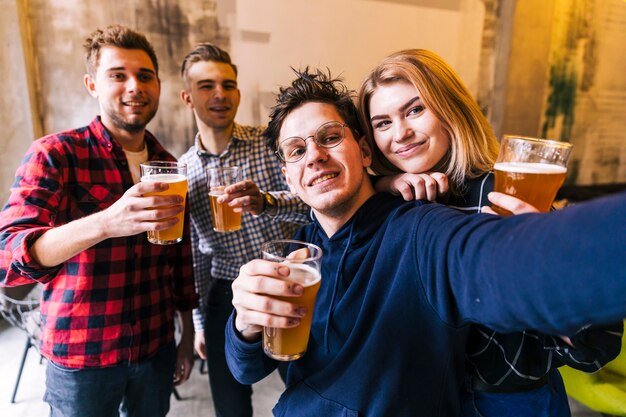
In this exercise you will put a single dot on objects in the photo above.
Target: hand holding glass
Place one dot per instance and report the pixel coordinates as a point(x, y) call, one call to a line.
point(225, 219)
point(304, 262)
point(531, 169)
point(175, 175)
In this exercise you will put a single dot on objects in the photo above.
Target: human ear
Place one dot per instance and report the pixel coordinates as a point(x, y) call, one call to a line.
point(90, 83)
point(186, 98)
point(366, 152)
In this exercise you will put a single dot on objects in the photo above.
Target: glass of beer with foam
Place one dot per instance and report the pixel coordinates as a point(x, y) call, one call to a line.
point(175, 175)
point(304, 262)
point(531, 169)
point(225, 219)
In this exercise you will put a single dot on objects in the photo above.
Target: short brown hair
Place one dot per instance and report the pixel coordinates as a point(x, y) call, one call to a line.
point(118, 36)
point(205, 52)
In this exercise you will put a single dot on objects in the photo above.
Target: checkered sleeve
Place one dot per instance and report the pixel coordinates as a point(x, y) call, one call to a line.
point(593, 347)
point(30, 212)
point(202, 278)
point(289, 208)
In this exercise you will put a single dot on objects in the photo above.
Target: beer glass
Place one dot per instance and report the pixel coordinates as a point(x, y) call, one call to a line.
point(224, 217)
point(175, 174)
point(304, 262)
point(531, 169)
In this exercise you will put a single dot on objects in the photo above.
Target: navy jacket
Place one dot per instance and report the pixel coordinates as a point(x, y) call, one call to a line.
point(401, 281)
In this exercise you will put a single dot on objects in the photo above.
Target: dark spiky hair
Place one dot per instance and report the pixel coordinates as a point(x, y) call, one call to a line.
point(312, 86)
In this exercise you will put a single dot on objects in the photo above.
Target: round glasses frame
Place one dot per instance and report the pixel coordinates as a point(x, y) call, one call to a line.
point(319, 141)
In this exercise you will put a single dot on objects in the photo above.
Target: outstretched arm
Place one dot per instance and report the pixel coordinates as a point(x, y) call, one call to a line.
point(553, 272)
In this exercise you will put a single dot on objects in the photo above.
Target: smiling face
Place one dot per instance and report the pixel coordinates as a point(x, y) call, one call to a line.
point(212, 93)
point(127, 88)
point(405, 130)
point(332, 181)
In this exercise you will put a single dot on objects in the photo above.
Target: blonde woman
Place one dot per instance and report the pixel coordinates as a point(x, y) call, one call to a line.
point(431, 141)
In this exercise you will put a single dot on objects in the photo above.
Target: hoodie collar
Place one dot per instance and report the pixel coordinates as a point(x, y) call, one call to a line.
point(365, 221)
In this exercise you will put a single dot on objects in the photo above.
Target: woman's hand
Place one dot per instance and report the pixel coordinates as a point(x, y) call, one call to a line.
point(426, 186)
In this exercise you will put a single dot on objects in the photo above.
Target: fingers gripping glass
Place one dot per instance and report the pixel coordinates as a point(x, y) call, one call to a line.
point(327, 136)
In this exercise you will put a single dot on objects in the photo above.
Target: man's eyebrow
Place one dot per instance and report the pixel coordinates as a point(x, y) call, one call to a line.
point(403, 108)
point(212, 81)
point(150, 70)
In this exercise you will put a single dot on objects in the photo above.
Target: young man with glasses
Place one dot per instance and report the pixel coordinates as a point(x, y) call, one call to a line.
point(210, 80)
point(390, 325)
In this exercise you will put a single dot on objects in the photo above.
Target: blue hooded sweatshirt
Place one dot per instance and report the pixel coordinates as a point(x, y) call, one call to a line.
point(400, 283)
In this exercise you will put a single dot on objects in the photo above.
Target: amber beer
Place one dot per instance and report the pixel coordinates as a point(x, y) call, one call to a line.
point(175, 175)
point(225, 219)
point(534, 183)
point(530, 169)
point(290, 344)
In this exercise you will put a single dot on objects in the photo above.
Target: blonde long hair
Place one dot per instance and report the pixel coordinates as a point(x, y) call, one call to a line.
point(473, 145)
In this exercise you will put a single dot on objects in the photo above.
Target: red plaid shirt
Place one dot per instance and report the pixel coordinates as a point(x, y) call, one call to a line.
point(114, 302)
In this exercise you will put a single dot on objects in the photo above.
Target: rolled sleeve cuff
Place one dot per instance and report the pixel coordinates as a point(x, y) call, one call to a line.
point(23, 262)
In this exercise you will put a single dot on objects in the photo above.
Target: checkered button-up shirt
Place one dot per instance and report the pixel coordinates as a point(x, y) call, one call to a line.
point(114, 302)
point(220, 255)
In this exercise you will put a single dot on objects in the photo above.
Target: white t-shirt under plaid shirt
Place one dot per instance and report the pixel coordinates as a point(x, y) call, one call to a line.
point(220, 255)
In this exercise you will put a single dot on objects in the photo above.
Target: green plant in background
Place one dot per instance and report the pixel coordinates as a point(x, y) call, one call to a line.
point(561, 100)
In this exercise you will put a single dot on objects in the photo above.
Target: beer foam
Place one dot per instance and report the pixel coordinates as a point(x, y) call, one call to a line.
point(303, 274)
point(164, 178)
point(529, 168)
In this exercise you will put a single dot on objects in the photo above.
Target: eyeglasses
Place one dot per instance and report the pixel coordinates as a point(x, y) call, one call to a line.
point(328, 135)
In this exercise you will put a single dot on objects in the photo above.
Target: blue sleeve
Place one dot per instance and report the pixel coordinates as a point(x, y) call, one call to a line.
point(554, 272)
point(247, 361)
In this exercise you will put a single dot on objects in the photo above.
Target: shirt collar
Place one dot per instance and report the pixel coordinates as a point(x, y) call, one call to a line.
point(237, 136)
point(155, 150)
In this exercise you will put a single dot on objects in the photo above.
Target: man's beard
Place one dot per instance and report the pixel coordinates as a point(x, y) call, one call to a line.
point(131, 127)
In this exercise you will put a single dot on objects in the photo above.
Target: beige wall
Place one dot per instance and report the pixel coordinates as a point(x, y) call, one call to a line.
point(347, 36)
point(15, 113)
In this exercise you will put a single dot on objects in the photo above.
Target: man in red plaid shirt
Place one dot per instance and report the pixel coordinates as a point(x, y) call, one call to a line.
point(76, 222)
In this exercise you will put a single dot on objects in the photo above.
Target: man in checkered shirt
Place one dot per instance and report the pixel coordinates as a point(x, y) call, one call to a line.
point(210, 90)
point(76, 222)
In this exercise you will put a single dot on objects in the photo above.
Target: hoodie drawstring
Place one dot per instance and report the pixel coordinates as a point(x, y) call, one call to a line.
point(333, 297)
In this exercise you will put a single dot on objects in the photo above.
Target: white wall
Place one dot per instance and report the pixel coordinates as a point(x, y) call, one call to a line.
point(15, 115)
point(348, 36)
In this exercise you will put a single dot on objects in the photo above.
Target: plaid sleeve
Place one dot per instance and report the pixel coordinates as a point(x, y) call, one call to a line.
point(593, 347)
point(289, 208)
point(30, 212)
point(202, 278)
